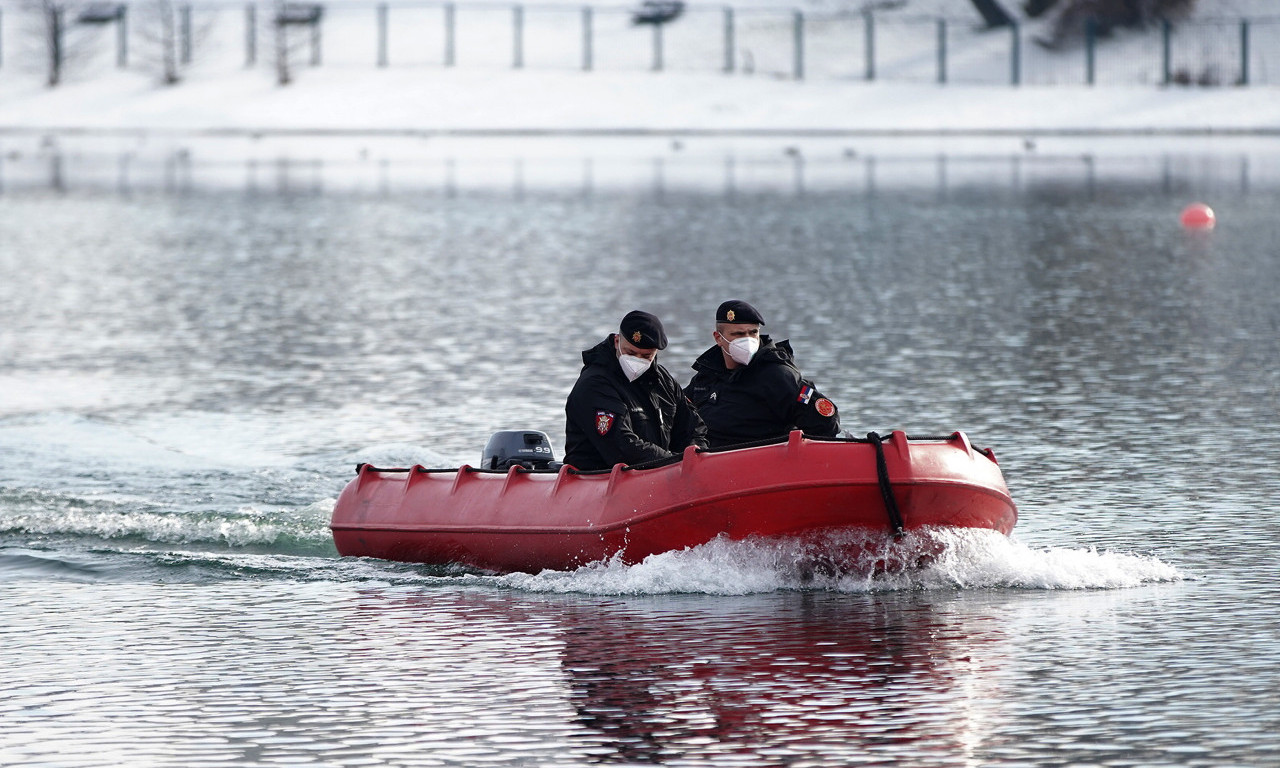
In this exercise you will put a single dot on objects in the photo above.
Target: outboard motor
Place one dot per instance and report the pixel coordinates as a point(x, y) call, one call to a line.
point(523, 447)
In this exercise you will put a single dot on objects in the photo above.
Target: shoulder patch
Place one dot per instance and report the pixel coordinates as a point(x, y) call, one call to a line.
point(806, 394)
point(604, 422)
point(825, 407)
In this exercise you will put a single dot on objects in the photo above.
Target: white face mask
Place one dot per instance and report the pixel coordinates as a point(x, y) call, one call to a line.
point(743, 349)
point(632, 367)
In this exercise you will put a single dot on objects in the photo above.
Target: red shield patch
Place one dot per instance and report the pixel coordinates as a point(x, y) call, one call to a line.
point(825, 407)
point(604, 422)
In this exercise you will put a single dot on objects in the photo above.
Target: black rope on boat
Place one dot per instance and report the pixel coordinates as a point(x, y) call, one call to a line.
point(990, 454)
point(372, 468)
point(749, 444)
point(886, 489)
point(655, 463)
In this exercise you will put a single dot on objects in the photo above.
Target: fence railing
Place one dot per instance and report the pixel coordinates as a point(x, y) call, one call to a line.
point(774, 42)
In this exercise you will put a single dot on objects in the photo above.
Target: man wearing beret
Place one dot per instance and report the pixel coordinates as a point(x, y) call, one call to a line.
point(748, 388)
point(625, 408)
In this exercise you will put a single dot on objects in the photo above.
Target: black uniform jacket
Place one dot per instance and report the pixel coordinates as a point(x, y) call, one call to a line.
point(612, 420)
point(767, 398)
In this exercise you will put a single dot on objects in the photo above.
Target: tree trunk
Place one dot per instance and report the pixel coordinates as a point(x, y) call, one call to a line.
point(168, 43)
point(283, 76)
point(53, 27)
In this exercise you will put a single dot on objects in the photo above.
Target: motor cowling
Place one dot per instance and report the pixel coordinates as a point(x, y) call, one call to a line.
point(524, 447)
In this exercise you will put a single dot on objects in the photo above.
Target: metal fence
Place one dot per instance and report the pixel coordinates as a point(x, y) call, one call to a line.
point(782, 43)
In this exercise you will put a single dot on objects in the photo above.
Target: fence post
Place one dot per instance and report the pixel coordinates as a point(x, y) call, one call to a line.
point(450, 36)
point(942, 51)
point(122, 38)
point(382, 34)
point(1166, 52)
point(586, 39)
point(1090, 43)
point(517, 35)
point(1015, 54)
point(869, 27)
point(1244, 52)
point(315, 42)
point(280, 49)
point(657, 46)
point(729, 53)
point(185, 19)
point(797, 28)
point(250, 35)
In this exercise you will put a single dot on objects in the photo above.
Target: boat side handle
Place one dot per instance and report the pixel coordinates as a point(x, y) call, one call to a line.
point(902, 443)
point(415, 475)
point(963, 439)
point(464, 473)
point(614, 476)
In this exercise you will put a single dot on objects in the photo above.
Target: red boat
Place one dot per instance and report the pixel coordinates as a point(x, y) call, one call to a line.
point(525, 519)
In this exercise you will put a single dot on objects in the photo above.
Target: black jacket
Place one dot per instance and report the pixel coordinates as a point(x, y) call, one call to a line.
point(767, 398)
point(612, 420)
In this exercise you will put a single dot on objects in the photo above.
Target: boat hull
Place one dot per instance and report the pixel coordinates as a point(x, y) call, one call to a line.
point(529, 521)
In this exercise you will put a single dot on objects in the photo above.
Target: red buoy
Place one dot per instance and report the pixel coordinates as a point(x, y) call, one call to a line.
point(1198, 216)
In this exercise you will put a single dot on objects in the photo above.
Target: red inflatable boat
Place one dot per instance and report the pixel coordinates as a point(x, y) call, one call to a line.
point(528, 520)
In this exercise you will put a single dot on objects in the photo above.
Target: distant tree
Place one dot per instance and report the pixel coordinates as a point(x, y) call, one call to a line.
point(292, 24)
point(46, 21)
point(159, 28)
point(1037, 8)
point(51, 26)
point(1108, 15)
point(281, 43)
point(54, 19)
point(171, 36)
point(993, 14)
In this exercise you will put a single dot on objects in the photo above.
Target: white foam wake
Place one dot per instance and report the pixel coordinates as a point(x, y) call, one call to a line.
point(247, 526)
point(931, 559)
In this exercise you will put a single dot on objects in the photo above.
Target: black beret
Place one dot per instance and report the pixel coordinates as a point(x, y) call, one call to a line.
point(643, 330)
point(736, 311)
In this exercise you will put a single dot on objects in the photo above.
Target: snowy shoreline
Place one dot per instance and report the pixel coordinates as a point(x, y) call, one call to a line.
point(625, 133)
point(219, 96)
point(655, 165)
point(412, 103)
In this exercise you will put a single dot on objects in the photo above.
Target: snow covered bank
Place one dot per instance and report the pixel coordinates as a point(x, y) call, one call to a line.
point(484, 95)
point(351, 124)
point(479, 102)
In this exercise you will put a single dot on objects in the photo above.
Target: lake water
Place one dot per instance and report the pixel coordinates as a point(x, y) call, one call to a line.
point(195, 351)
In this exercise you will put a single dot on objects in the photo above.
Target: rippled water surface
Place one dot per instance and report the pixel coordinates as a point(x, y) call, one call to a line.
point(188, 375)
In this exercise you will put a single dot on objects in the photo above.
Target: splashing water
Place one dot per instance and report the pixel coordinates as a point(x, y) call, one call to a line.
point(247, 526)
point(927, 559)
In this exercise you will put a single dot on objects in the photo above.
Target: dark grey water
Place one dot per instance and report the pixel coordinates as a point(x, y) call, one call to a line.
point(188, 376)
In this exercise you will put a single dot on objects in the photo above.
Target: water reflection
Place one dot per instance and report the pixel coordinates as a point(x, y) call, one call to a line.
point(761, 680)
point(767, 681)
point(785, 169)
